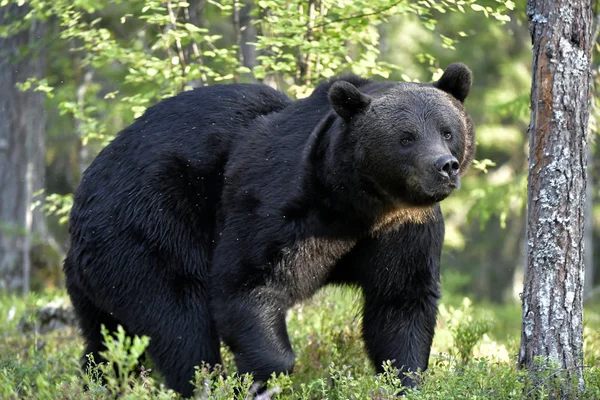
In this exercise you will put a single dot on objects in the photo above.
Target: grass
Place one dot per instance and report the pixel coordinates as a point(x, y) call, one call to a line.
point(473, 357)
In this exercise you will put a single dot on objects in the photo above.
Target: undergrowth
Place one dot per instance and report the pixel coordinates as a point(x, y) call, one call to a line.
point(471, 358)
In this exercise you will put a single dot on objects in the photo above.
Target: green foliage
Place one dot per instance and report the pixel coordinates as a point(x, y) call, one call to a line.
point(502, 199)
point(58, 205)
point(122, 354)
point(331, 364)
point(316, 40)
point(151, 66)
point(305, 42)
point(212, 384)
point(467, 329)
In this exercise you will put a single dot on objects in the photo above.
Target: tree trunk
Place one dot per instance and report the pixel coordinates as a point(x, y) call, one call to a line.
point(245, 34)
point(553, 293)
point(22, 146)
point(84, 156)
point(248, 35)
point(196, 13)
point(238, 35)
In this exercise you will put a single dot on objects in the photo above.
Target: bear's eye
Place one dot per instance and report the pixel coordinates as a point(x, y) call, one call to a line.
point(405, 142)
point(447, 135)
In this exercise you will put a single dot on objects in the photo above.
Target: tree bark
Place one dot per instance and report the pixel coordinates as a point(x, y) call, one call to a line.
point(22, 147)
point(554, 277)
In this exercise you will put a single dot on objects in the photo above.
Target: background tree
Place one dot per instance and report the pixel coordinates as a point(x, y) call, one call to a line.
point(22, 147)
point(561, 32)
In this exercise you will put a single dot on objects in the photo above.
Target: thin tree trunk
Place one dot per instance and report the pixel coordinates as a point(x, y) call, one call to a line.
point(300, 60)
point(238, 35)
point(194, 14)
point(245, 34)
point(22, 147)
point(308, 61)
point(84, 155)
point(248, 35)
point(553, 293)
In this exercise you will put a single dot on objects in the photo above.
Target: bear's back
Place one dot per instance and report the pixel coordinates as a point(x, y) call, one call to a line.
point(192, 131)
point(163, 171)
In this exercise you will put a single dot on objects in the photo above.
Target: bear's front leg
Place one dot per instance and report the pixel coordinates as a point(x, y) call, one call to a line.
point(399, 272)
point(252, 324)
point(400, 331)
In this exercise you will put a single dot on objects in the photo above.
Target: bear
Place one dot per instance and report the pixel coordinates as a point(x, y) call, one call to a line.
point(218, 210)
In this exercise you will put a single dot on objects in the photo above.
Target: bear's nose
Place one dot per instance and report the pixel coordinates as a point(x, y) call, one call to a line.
point(447, 166)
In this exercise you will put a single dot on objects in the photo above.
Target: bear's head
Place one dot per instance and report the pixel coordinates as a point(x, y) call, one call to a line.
point(412, 141)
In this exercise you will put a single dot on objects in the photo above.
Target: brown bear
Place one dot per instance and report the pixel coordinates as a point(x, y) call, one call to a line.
point(221, 208)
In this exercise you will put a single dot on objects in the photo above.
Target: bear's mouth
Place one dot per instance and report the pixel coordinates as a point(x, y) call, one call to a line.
point(454, 184)
point(442, 189)
point(419, 190)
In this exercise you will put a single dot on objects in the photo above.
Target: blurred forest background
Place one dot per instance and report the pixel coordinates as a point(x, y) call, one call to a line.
point(85, 69)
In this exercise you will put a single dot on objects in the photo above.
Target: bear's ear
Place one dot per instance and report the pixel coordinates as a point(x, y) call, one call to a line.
point(347, 100)
point(456, 81)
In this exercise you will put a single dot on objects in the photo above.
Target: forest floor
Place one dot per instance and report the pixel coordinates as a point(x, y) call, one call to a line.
point(473, 357)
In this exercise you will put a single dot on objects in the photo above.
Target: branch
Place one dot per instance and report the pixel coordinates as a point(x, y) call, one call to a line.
point(369, 14)
point(309, 37)
point(177, 41)
point(195, 48)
